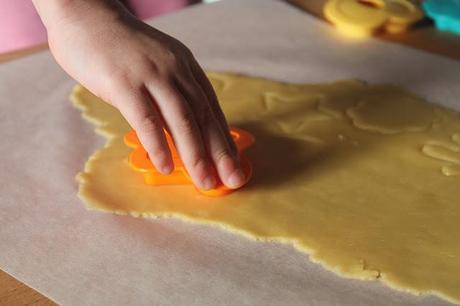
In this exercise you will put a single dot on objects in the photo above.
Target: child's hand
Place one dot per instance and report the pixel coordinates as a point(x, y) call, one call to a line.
point(153, 80)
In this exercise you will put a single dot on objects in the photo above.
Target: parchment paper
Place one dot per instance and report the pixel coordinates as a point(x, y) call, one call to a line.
point(77, 257)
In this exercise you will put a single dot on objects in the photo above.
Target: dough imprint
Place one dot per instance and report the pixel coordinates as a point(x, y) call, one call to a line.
point(363, 178)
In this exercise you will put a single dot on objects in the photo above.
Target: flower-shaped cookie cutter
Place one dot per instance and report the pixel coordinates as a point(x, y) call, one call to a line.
point(140, 161)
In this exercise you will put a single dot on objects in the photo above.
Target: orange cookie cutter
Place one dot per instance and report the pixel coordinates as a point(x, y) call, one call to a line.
point(140, 161)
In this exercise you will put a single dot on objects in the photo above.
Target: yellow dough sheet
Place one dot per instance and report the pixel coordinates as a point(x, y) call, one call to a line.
point(363, 178)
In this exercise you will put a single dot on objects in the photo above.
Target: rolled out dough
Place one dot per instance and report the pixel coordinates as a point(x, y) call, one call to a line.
point(364, 178)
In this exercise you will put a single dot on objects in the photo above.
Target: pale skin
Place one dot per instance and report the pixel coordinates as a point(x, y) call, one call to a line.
point(151, 78)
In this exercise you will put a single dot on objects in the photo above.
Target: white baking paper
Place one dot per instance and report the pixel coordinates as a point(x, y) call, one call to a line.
point(77, 257)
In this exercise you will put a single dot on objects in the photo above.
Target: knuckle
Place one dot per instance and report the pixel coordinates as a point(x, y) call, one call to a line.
point(117, 83)
point(117, 77)
point(149, 123)
point(219, 154)
point(175, 61)
point(114, 82)
point(198, 163)
point(172, 60)
point(154, 72)
point(146, 67)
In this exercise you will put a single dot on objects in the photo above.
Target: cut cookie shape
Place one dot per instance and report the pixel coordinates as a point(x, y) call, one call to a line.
point(447, 152)
point(388, 113)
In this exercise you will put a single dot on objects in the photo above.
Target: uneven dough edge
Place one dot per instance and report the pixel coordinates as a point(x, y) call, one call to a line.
point(358, 271)
point(360, 267)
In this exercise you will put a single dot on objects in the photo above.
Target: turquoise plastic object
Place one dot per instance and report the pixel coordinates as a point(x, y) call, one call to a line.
point(446, 14)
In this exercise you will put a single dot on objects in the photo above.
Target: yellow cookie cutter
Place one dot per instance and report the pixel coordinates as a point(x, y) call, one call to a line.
point(361, 18)
point(139, 161)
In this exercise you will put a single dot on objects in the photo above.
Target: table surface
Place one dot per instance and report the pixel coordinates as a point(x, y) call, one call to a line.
point(423, 36)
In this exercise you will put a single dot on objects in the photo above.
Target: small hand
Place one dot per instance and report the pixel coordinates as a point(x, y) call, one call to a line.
point(155, 82)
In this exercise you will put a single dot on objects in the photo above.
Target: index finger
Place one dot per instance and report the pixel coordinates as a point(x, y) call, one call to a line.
point(182, 125)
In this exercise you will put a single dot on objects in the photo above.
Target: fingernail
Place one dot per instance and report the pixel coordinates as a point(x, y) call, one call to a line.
point(236, 179)
point(167, 169)
point(209, 183)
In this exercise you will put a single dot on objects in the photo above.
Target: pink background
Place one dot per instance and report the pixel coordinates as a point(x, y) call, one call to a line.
point(21, 27)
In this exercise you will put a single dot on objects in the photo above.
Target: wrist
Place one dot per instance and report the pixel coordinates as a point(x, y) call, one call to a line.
point(57, 14)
